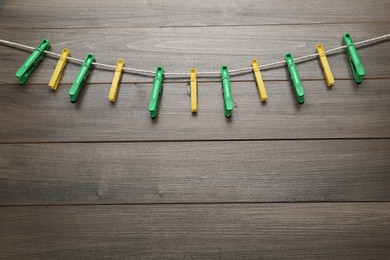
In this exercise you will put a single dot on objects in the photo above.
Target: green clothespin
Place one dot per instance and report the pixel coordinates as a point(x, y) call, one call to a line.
point(158, 84)
point(299, 91)
point(79, 81)
point(354, 59)
point(32, 62)
point(227, 91)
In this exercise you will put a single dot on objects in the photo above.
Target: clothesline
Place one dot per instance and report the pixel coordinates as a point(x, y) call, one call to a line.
point(208, 74)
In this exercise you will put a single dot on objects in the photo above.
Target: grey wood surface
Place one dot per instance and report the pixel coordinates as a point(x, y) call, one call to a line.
point(36, 114)
point(93, 180)
point(195, 172)
point(224, 231)
point(64, 14)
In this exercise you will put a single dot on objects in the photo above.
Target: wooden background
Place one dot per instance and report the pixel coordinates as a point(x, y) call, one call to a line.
point(94, 180)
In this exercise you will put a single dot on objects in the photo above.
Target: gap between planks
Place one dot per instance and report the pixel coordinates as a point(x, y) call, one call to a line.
point(199, 140)
point(193, 26)
point(194, 203)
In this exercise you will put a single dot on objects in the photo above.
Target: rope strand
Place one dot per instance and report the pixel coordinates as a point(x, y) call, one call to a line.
point(208, 74)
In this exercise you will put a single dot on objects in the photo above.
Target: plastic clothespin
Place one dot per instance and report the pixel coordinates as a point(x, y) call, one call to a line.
point(354, 59)
point(32, 62)
point(325, 65)
point(299, 92)
point(158, 84)
point(194, 91)
point(259, 81)
point(79, 81)
point(115, 81)
point(55, 78)
point(226, 91)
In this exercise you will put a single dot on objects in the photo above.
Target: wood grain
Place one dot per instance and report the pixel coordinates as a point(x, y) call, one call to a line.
point(93, 180)
point(36, 114)
point(232, 231)
point(195, 172)
point(179, 49)
point(124, 13)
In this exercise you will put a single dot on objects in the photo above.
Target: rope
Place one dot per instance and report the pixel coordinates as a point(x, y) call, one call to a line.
point(208, 74)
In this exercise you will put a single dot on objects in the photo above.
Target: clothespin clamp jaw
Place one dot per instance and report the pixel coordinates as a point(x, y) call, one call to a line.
point(354, 59)
point(226, 92)
point(32, 62)
point(296, 80)
point(259, 81)
point(115, 81)
point(194, 91)
point(156, 92)
point(79, 81)
point(55, 78)
point(325, 65)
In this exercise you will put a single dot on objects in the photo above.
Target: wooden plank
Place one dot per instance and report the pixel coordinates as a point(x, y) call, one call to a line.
point(178, 49)
point(122, 13)
point(165, 172)
point(242, 231)
point(36, 114)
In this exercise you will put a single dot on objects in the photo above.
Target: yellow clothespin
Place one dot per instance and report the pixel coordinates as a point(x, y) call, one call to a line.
point(194, 91)
point(259, 81)
point(55, 78)
point(115, 81)
point(325, 65)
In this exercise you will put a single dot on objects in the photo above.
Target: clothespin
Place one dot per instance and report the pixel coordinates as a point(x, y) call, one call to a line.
point(55, 78)
point(325, 65)
point(354, 59)
point(226, 91)
point(299, 92)
point(156, 92)
point(32, 62)
point(79, 81)
point(259, 81)
point(115, 81)
point(194, 91)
